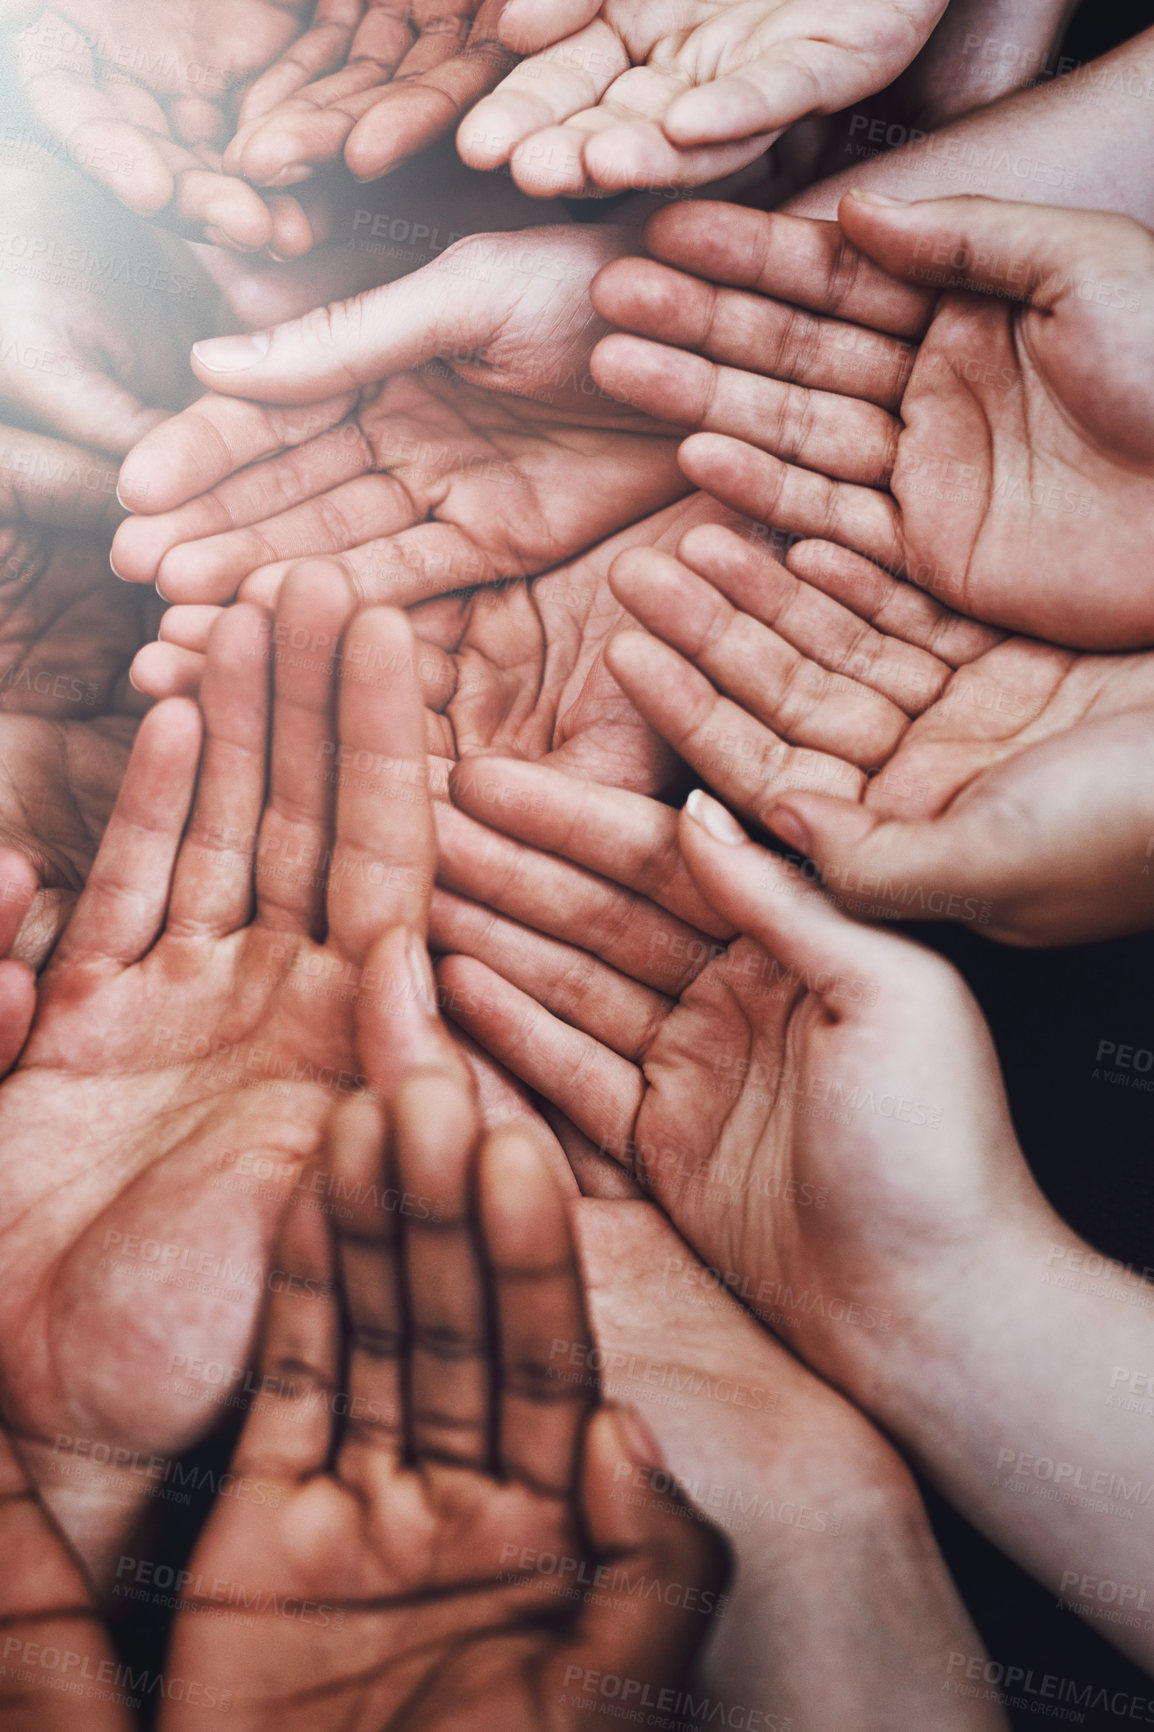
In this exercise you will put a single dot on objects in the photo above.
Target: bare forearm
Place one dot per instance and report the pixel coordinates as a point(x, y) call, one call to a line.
point(1085, 140)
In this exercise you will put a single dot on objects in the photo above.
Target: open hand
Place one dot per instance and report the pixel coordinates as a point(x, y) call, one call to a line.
point(984, 436)
point(623, 93)
point(200, 1006)
point(439, 433)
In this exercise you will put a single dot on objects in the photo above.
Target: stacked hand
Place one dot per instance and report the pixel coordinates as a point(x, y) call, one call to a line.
point(195, 964)
point(932, 767)
point(618, 94)
point(988, 436)
point(438, 433)
point(143, 96)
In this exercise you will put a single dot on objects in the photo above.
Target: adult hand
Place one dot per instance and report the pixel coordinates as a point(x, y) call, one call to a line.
point(465, 1454)
point(46, 1607)
point(617, 94)
point(931, 767)
point(774, 1092)
point(143, 95)
point(79, 280)
point(442, 432)
point(373, 82)
point(983, 436)
point(193, 966)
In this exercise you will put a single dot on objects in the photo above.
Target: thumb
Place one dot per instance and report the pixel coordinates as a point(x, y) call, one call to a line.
point(1027, 252)
point(892, 869)
point(356, 342)
point(526, 26)
point(780, 906)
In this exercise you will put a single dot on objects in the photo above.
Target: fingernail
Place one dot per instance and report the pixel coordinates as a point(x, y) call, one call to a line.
point(713, 818)
point(865, 195)
point(789, 826)
point(232, 354)
point(640, 1444)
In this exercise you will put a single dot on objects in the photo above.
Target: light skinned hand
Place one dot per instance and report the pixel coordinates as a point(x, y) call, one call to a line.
point(373, 83)
point(221, 940)
point(949, 388)
point(143, 95)
point(817, 1106)
point(932, 768)
point(651, 93)
point(438, 433)
point(425, 1449)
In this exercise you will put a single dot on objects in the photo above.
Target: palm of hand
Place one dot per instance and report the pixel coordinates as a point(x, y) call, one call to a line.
point(405, 1566)
point(1011, 469)
point(683, 94)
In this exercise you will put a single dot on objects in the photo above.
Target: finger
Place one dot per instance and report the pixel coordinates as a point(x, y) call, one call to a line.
point(541, 93)
point(831, 622)
point(771, 901)
point(339, 521)
point(19, 883)
point(360, 1194)
point(311, 127)
point(69, 104)
point(759, 668)
point(296, 827)
point(832, 433)
point(321, 48)
point(17, 1008)
point(593, 1086)
point(623, 836)
point(398, 1018)
point(81, 403)
point(580, 907)
point(527, 26)
point(121, 909)
point(901, 612)
point(539, 1303)
point(965, 243)
point(350, 343)
point(567, 979)
point(191, 454)
point(795, 259)
point(288, 1432)
point(220, 207)
point(384, 860)
point(742, 330)
point(48, 481)
point(655, 1536)
point(161, 670)
point(188, 627)
point(421, 106)
point(795, 501)
point(450, 1371)
point(213, 884)
point(638, 154)
point(748, 762)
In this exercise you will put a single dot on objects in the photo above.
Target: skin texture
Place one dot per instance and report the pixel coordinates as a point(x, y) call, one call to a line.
point(989, 446)
point(464, 1452)
point(144, 96)
point(930, 766)
point(813, 1052)
point(68, 632)
point(119, 1121)
point(619, 94)
point(371, 81)
point(472, 446)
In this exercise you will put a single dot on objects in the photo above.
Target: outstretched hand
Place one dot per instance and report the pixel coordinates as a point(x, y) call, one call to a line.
point(200, 1007)
point(427, 1462)
point(623, 93)
point(931, 767)
point(374, 81)
point(438, 433)
point(948, 388)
